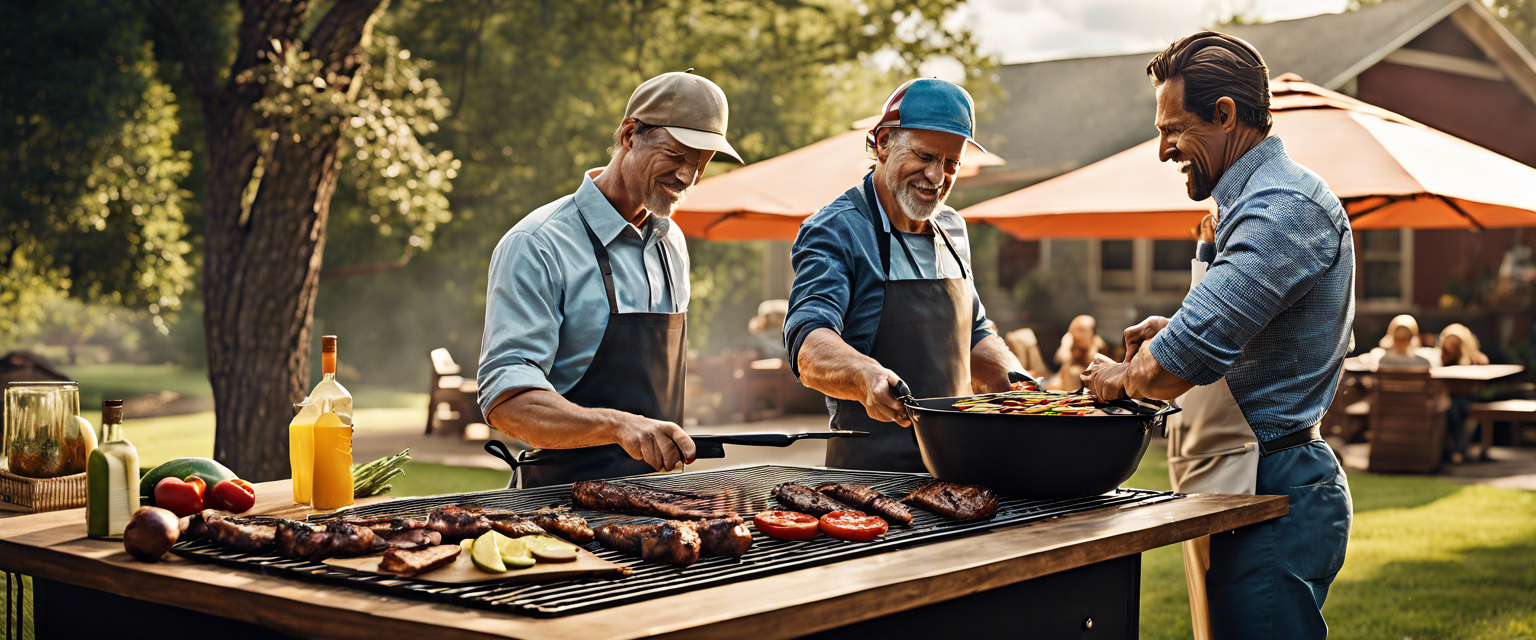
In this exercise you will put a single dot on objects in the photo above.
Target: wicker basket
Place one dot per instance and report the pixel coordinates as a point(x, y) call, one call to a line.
point(43, 494)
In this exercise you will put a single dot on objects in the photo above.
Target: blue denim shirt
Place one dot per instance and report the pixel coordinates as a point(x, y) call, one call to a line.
point(1274, 310)
point(545, 306)
point(838, 281)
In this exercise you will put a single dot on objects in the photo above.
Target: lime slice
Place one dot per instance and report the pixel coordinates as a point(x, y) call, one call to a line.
point(537, 542)
point(515, 552)
point(486, 555)
point(468, 544)
point(555, 554)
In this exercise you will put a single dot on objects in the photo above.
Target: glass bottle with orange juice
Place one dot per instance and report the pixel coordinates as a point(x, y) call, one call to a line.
point(320, 439)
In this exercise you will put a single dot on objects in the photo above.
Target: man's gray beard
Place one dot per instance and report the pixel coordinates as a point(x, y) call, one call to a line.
point(656, 203)
point(910, 206)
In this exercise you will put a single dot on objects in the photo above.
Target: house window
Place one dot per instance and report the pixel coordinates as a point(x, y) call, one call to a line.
point(1138, 268)
point(1384, 266)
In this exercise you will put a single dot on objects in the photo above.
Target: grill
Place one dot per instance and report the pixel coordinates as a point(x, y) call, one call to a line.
point(745, 490)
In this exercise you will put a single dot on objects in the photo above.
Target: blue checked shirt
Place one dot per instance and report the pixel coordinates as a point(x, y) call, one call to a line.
point(1274, 310)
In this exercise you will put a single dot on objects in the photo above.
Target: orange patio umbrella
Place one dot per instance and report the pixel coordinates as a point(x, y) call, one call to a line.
point(1389, 171)
point(768, 200)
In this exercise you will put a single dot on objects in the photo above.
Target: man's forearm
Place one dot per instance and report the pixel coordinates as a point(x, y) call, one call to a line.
point(991, 360)
point(829, 365)
point(543, 418)
point(1146, 378)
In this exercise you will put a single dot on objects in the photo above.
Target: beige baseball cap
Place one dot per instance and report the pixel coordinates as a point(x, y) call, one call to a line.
point(689, 106)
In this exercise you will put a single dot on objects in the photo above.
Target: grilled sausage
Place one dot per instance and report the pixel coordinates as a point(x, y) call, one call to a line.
point(868, 499)
point(723, 537)
point(798, 498)
point(674, 543)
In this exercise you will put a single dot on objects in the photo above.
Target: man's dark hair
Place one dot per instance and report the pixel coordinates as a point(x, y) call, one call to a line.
point(641, 130)
point(1216, 65)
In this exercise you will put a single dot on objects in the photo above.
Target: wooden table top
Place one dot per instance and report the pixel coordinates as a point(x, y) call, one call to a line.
point(1466, 372)
point(53, 546)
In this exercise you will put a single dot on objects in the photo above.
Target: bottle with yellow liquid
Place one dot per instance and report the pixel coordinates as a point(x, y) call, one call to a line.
point(333, 462)
point(327, 397)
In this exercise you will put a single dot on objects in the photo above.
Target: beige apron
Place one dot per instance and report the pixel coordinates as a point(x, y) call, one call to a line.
point(1211, 449)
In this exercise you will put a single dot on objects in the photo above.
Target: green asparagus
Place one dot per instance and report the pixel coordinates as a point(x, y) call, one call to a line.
point(372, 478)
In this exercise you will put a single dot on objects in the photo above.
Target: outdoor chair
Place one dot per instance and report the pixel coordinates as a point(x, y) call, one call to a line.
point(453, 403)
point(1407, 422)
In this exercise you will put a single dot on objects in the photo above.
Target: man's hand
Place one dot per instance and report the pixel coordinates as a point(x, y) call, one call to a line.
point(1139, 334)
point(1105, 378)
point(660, 444)
point(879, 400)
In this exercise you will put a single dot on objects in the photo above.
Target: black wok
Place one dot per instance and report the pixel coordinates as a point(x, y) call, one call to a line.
point(1035, 456)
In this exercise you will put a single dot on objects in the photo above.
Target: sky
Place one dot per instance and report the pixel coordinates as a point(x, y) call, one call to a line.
point(1030, 30)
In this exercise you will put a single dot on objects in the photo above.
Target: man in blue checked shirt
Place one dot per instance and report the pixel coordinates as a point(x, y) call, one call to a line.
point(1272, 316)
point(883, 291)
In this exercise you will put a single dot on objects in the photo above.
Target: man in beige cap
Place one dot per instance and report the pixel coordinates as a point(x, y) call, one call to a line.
point(585, 313)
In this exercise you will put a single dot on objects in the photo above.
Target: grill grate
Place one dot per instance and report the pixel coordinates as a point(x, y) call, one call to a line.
point(745, 490)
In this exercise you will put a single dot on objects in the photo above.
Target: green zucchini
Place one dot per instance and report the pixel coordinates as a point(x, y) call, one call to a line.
point(211, 472)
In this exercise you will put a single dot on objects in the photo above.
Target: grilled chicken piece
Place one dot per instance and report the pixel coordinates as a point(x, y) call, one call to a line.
point(413, 561)
point(515, 527)
point(801, 499)
point(411, 538)
point(674, 543)
point(645, 501)
point(456, 524)
point(953, 500)
point(238, 534)
point(868, 499)
point(724, 537)
point(564, 524)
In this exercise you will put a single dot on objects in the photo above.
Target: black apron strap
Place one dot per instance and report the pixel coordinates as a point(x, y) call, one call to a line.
point(964, 274)
point(602, 263)
point(883, 238)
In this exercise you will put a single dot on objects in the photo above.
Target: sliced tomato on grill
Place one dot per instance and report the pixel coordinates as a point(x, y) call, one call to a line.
point(787, 525)
point(853, 525)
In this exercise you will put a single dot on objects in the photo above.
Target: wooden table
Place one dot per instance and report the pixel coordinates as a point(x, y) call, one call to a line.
point(872, 590)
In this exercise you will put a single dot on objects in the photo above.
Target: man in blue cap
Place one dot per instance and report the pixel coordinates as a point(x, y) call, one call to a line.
point(883, 290)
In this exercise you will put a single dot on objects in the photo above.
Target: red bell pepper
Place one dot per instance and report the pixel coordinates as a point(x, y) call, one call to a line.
point(181, 497)
point(234, 495)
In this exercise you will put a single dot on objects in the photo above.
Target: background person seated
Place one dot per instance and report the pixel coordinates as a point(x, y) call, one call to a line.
point(1457, 346)
point(1078, 349)
point(1398, 347)
point(1026, 345)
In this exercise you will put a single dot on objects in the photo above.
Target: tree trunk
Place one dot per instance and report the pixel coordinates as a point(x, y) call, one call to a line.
point(262, 260)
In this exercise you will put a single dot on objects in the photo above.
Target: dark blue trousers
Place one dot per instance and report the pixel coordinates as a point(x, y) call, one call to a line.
point(1269, 580)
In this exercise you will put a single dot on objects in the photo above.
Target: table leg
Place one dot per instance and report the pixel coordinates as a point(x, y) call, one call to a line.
point(1486, 437)
point(66, 611)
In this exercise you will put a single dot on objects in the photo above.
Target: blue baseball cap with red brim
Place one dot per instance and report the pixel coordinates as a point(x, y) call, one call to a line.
point(932, 104)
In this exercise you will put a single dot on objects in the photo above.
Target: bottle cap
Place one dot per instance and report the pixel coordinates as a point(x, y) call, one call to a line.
point(111, 411)
point(328, 344)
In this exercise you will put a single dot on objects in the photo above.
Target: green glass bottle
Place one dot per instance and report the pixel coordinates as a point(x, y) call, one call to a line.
point(111, 478)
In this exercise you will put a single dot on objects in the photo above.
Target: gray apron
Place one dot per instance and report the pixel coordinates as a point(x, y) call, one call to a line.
point(925, 337)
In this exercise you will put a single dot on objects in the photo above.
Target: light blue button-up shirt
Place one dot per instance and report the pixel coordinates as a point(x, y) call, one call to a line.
point(1274, 310)
point(546, 309)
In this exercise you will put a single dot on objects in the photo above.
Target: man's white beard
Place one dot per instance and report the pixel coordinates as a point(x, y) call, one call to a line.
point(910, 206)
point(657, 204)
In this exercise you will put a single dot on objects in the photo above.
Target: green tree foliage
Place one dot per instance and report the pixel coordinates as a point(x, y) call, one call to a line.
point(537, 88)
point(1519, 16)
point(91, 204)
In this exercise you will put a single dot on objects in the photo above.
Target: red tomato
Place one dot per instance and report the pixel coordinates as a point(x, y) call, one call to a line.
point(234, 495)
point(787, 525)
point(179, 496)
point(853, 525)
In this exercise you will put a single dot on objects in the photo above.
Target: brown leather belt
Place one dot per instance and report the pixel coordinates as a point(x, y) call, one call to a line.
point(1292, 440)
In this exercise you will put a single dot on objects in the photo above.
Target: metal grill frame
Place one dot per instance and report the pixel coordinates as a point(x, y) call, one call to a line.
point(747, 491)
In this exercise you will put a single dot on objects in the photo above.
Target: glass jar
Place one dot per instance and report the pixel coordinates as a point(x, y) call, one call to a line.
point(45, 437)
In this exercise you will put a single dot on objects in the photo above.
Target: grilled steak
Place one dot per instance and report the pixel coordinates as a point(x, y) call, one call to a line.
point(318, 542)
point(410, 562)
point(515, 527)
point(411, 538)
point(456, 524)
point(803, 500)
point(952, 500)
point(644, 501)
point(868, 499)
point(239, 534)
point(725, 537)
point(674, 543)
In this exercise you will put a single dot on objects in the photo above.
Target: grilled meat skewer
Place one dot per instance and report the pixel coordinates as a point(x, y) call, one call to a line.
point(801, 499)
point(671, 542)
point(954, 500)
point(868, 499)
point(411, 562)
point(723, 537)
point(636, 500)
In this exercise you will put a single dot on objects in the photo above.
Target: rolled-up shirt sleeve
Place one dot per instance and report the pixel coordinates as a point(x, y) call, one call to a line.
point(823, 285)
point(522, 319)
point(1272, 257)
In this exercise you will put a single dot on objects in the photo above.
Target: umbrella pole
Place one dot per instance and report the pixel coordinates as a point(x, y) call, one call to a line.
point(1457, 208)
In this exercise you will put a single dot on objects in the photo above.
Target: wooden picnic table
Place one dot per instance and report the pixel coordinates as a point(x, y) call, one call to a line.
point(1052, 576)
